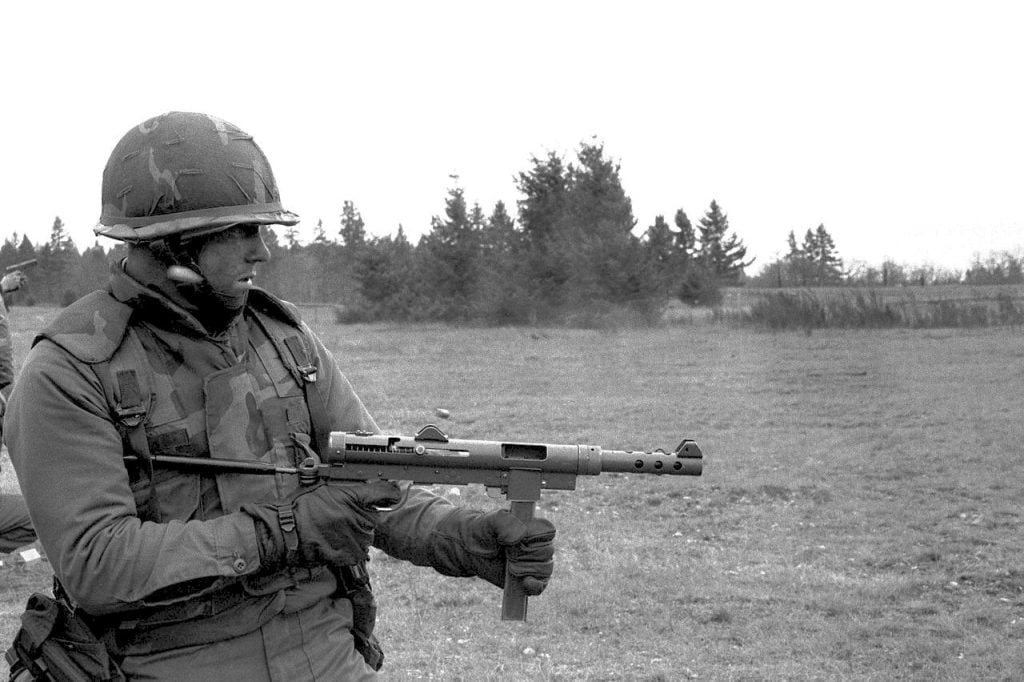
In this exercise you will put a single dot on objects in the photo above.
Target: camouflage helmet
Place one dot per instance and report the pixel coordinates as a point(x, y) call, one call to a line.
point(185, 174)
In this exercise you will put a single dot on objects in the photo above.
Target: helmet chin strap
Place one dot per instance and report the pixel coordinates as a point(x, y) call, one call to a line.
point(214, 309)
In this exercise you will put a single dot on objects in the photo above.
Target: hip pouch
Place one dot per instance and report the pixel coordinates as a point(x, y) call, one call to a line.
point(55, 644)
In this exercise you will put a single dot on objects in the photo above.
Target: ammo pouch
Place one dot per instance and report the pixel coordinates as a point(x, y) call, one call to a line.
point(354, 585)
point(54, 644)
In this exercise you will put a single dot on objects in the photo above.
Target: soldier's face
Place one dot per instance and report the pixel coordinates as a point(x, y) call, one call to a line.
point(228, 260)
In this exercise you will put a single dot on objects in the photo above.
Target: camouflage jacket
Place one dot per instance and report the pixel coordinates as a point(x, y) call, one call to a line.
point(230, 396)
point(6, 349)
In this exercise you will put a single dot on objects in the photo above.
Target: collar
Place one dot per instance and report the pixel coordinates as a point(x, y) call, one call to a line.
point(141, 282)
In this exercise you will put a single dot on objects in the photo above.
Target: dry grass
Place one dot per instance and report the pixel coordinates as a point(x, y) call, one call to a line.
point(859, 517)
point(941, 306)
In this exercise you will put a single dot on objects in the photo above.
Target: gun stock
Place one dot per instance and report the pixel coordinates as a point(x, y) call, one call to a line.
point(518, 471)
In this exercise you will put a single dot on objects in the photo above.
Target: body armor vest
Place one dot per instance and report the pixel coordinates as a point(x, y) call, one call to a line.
point(159, 383)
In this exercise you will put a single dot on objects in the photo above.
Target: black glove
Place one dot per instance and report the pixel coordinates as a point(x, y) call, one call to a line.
point(480, 543)
point(328, 524)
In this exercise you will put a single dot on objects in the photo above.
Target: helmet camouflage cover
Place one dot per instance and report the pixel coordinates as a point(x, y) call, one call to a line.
point(186, 174)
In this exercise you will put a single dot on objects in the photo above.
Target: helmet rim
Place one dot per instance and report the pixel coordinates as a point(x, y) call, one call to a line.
point(186, 223)
point(184, 174)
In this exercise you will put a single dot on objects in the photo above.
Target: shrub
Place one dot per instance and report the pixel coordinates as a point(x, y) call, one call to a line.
point(870, 310)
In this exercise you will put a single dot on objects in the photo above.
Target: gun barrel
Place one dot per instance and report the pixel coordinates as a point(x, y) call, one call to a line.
point(687, 460)
point(22, 265)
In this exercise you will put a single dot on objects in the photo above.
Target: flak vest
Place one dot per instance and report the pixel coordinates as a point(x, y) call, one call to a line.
point(260, 406)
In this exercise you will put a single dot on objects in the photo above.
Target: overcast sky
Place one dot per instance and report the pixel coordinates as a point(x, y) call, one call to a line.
point(898, 125)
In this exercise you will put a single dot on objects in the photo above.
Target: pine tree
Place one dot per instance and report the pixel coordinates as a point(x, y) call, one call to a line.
point(691, 281)
point(353, 229)
point(815, 261)
point(327, 277)
point(499, 235)
point(9, 251)
point(55, 277)
point(798, 269)
point(26, 249)
point(577, 224)
point(828, 267)
point(447, 256)
point(721, 254)
point(503, 291)
point(477, 221)
point(383, 272)
point(685, 239)
point(607, 259)
point(542, 212)
point(660, 248)
point(60, 240)
point(545, 189)
point(291, 238)
point(319, 235)
point(94, 269)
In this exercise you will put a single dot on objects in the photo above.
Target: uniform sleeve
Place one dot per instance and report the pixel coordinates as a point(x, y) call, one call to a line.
point(68, 457)
point(344, 408)
point(6, 348)
point(408, 531)
point(405, 533)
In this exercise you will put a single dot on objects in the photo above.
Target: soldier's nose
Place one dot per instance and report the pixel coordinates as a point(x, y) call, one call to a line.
point(258, 251)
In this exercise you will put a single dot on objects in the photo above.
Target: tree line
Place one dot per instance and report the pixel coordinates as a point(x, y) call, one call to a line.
point(571, 253)
point(815, 262)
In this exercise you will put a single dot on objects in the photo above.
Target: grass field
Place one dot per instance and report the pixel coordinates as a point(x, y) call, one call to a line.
point(859, 517)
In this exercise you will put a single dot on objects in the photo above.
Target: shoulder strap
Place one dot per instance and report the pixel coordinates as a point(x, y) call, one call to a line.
point(314, 401)
point(127, 384)
point(293, 350)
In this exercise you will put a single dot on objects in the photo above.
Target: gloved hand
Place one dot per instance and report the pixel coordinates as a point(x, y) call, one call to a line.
point(468, 542)
point(328, 524)
point(12, 281)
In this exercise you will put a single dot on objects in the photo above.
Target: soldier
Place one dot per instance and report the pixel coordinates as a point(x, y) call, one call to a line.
point(216, 577)
point(10, 282)
point(15, 525)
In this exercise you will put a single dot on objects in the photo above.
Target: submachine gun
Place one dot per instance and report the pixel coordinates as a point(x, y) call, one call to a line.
point(518, 471)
